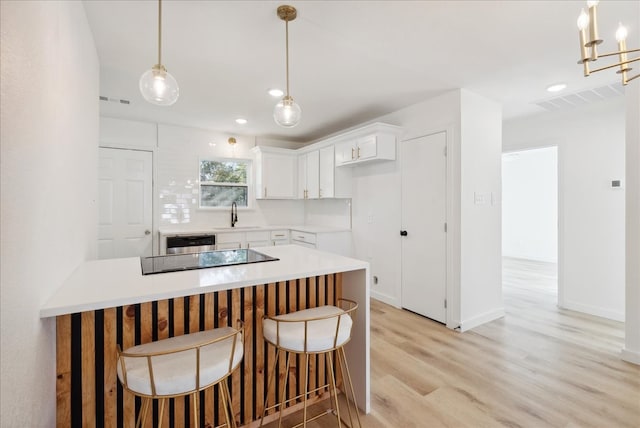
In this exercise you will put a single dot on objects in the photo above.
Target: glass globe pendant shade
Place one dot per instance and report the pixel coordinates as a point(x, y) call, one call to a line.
point(159, 87)
point(287, 112)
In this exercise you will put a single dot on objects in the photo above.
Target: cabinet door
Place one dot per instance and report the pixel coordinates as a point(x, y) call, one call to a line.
point(304, 244)
point(302, 176)
point(367, 147)
point(229, 241)
point(228, 245)
point(345, 152)
point(313, 174)
point(253, 244)
point(278, 176)
point(327, 168)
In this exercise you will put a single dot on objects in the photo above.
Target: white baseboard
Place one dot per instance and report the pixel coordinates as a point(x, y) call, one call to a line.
point(593, 310)
point(481, 319)
point(630, 356)
point(385, 298)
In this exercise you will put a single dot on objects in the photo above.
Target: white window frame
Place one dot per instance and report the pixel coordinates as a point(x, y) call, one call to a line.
point(248, 183)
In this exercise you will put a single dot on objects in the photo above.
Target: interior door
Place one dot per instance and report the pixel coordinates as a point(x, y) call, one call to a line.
point(424, 248)
point(125, 203)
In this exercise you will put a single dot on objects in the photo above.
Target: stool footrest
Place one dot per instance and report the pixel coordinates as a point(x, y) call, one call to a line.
point(283, 403)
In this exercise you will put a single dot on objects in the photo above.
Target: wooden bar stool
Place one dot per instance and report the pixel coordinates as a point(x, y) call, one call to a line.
point(180, 366)
point(320, 330)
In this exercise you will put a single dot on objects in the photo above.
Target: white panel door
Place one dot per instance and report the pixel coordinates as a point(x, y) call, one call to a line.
point(424, 196)
point(125, 203)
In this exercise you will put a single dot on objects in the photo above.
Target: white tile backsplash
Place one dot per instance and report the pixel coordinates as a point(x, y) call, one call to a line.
point(328, 212)
point(178, 154)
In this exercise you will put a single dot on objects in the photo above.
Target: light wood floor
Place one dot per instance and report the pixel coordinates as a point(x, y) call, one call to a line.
point(539, 366)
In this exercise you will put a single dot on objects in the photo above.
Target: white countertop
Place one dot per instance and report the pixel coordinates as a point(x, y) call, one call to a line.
point(100, 284)
point(203, 230)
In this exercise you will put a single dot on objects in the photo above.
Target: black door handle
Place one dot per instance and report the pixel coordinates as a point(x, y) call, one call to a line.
point(403, 233)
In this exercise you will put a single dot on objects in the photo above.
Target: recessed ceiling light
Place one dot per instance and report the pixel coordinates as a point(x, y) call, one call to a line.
point(241, 121)
point(557, 87)
point(276, 92)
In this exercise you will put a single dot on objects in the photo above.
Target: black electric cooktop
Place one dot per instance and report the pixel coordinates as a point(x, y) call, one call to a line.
point(209, 259)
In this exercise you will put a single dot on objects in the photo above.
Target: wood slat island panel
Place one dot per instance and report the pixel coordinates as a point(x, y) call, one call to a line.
point(89, 394)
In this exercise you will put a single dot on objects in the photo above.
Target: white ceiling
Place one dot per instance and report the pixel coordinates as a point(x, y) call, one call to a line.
point(350, 61)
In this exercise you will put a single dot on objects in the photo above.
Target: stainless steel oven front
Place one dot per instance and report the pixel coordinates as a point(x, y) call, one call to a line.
point(190, 244)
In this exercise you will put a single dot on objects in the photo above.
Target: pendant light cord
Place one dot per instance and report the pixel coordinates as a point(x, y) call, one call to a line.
point(159, 32)
point(287, 49)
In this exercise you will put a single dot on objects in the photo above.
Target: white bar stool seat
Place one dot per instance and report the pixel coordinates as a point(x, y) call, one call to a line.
point(320, 335)
point(320, 330)
point(182, 365)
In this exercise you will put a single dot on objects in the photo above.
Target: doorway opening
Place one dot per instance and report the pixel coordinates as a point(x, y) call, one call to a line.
point(530, 226)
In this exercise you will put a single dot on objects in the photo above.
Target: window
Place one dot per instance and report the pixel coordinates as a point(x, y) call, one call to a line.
point(224, 181)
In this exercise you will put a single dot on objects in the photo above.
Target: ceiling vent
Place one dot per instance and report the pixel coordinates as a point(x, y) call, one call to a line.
point(581, 98)
point(114, 100)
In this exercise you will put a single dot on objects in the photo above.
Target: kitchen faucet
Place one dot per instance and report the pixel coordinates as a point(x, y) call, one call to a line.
point(234, 214)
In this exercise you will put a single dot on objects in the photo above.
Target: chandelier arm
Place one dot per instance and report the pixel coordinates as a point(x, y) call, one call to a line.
point(159, 32)
point(618, 64)
point(618, 52)
point(633, 77)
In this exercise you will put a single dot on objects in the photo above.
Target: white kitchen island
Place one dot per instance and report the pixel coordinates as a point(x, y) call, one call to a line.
point(109, 303)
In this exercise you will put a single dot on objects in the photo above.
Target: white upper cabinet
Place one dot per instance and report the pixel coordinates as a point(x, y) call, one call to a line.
point(375, 142)
point(309, 175)
point(275, 173)
point(318, 177)
point(326, 172)
point(313, 172)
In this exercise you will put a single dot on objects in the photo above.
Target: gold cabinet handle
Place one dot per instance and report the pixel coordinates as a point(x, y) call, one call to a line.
point(358, 152)
point(265, 192)
point(353, 153)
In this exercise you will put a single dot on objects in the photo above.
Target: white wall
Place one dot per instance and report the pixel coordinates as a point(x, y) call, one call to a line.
point(49, 133)
point(377, 197)
point(179, 150)
point(176, 152)
point(328, 212)
point(530, 204)
point(480, 154)
point(591, 227)
point(473, 127)
point(631, 351)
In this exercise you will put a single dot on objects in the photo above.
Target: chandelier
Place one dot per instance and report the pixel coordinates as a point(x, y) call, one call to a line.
point(589, 47)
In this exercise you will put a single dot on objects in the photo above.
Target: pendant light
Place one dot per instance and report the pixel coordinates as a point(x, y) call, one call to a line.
point(287, 112)
point(157, 85)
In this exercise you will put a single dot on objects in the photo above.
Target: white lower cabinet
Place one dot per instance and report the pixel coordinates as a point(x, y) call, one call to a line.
point(279, 237)
point(333, 242)
point(260, 238)
point(299, 237)
point(229, 241)
point(253, 239)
